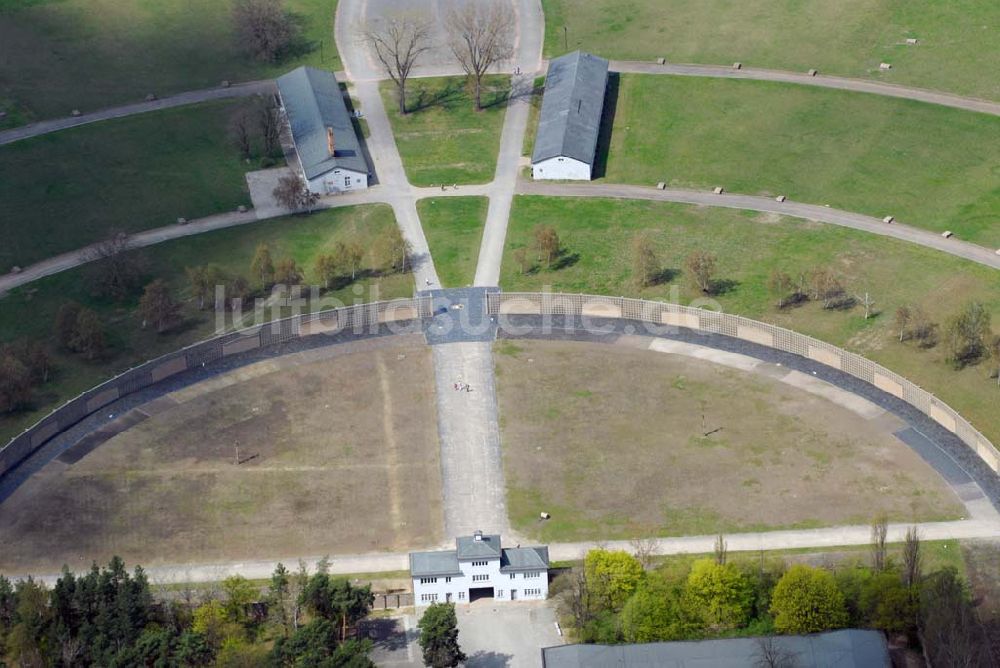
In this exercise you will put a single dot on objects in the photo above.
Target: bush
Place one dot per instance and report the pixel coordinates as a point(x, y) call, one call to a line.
point(718, 595)
point(807, 600)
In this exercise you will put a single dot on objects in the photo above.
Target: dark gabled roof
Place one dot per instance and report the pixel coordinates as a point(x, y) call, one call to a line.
point(470, 548)
point(314, 102)
point(571, 108)
point(847, 648)
point(524, 559)
point(434, 564)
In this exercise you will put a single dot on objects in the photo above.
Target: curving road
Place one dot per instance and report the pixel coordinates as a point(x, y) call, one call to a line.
point(814, 212)
point(802, 78)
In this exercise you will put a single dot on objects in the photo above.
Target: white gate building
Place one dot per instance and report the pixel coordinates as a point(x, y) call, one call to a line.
point(480, 567)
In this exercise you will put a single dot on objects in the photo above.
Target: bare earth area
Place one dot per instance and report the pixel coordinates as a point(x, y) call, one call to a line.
point(616, 442)
point(339, 454)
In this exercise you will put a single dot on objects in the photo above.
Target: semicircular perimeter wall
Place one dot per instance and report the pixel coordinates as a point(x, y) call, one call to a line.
point(591, 309)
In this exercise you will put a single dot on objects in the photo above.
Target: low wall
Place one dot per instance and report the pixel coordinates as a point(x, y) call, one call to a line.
point(660, 314)
point(356, 318)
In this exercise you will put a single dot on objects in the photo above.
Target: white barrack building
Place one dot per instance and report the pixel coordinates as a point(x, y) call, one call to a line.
point(479, 567)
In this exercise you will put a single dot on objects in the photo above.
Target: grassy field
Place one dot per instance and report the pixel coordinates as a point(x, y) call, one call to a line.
point(316, 459)
point(442, 139)
point(454, 230)
point(575, 425)
point(68, 189)
point(957, 41)
point(29, 311)
point(89, 54)
point(597, 234)
point(929, 166)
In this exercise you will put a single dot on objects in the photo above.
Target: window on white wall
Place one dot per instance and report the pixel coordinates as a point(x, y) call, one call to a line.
point(428, 581)
point(480, 578)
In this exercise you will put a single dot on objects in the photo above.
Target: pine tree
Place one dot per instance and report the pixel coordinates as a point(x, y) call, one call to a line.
point(439, 636)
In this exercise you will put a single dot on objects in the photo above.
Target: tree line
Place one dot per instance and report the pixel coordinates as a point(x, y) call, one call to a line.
point(110, 617)
point(617, 597)
point(118, 274)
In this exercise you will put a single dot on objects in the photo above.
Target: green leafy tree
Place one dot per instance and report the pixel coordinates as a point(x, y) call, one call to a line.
point(336, 599)
point(28, 641)
point(240, 595)
point(889, 604)
point(350, 255)
point(807, 600)
point(718, 595)
point(439, 636)
point(612, 577)
point(654, 613)
point(316, 644)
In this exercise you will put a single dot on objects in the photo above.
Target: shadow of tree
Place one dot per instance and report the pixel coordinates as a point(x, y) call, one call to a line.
point(483, 659)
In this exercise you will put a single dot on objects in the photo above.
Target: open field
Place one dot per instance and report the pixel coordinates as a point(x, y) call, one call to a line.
point(90, 54)
point(957, 41)
point(327, 468)
point(69, 189)
point(454, 229)
point(597, 234)
point(29, 312)
point(580, 420)
point(929, 166)
point(442, 139)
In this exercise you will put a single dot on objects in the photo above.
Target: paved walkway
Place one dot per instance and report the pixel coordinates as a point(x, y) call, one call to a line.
point(952, 246)
point(179, 100)
point(80, 256)
point(803, 78)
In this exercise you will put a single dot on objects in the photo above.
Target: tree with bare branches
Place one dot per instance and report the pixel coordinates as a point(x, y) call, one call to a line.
point(912, 560)
point(480, 34)
point(293, 194)
point(157, 306)
point(547, 243)
point(645, 263)
point(644, 549)
point(701, 265)
point(880, 529)
point(117, 269)
point(902, 321)
point(780, 285)
point(721, 550)
point(264, 29)
point(398, 43)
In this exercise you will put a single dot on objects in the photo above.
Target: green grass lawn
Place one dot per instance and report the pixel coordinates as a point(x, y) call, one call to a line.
point(68, 189)
point(596, 235)
point(442, 139)
point(90, 54)
point(29, 311)
point(454, 230)
point(958, 49)
point(929, 166)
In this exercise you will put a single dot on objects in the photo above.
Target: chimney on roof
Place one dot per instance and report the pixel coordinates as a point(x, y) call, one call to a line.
point(478, 536)
point(329, 141)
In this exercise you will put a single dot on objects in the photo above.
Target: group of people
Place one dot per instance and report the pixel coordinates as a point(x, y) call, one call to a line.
point(462, 387)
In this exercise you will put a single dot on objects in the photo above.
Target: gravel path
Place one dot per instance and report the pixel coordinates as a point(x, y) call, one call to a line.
point(191, 97)
point(822, 214)
point(803, 78)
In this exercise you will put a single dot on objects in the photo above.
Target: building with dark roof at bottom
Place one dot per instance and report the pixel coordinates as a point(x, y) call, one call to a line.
point(570, 121)
point(328, 152)
point(847, 648)
point(480, 567)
